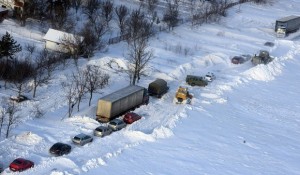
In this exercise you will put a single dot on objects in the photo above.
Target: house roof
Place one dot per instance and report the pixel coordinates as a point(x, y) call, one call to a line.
point(57, 36)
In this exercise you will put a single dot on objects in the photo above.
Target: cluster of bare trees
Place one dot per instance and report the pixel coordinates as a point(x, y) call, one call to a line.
point(172, 13)
point(23, 74)
point(85, 81)
point(206, 12)
point(8, 117)
point(54, 11)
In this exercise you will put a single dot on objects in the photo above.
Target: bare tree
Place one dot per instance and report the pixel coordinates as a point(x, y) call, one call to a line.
point(2, 118)
point(151, 4)
point(171, 14)
point(122, 12)
point(73, 44)
point(91, 8)
point(63, 20)
point(80, 84)
point(90, 41)
point(96, 80)
point(69, 88)
point(192, 9)
point(138, 26)
point(107, 10)
point(139, 56)
point(28, 10)
point(93, 37)
point(261, 1)
point(21, 73)
point(30, 48)
point(49, 61)
point(42, 73)
point(37, 111)
point(100, 28)
point(59, 20)
point(13, 119)
point(77, 4)
point(138, 53)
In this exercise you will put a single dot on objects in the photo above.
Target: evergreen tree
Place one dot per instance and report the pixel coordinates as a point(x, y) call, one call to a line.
point(8, 46)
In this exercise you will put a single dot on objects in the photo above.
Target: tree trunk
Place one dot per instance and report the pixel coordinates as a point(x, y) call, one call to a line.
point(8, 129)
point(34, 89)
point(78, 104)
point(91, 96)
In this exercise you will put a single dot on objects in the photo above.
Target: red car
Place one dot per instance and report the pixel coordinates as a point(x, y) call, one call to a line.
point(131, 117)
point(21, 165)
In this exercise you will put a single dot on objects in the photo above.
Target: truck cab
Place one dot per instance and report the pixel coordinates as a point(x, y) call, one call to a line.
point(281, 32)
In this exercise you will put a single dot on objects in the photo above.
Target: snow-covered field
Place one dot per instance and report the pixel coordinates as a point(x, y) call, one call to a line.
point(245, 122)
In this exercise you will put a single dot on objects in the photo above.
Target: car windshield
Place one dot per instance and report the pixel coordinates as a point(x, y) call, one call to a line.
point(55, 146)
point(17, 162)
point(113, 123)
point(76, 138)
point(99, 129)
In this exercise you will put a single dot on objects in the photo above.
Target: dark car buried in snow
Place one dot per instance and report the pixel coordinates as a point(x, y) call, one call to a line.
point(240, 59)
point(59, 149)
point(21, 164)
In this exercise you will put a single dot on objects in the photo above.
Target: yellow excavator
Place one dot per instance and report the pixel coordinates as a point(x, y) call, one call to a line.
point(183, 96)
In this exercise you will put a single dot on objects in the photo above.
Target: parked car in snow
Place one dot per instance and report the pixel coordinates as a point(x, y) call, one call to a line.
point(59, 149)
point(131, 117)
point(240, 59)
point(102, 131)
point(19, 98)
point(210, 77)
point(116, 124)
point(195, 80)
point(82, 139)
point(21, 164)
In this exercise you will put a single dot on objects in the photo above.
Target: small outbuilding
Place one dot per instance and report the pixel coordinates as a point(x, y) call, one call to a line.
point(56, 40)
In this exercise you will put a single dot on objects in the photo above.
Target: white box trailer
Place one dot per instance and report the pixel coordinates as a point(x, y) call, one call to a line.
point(121, 101)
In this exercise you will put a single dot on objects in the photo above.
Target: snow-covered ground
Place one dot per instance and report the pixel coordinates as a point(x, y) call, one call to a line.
point(244, 122)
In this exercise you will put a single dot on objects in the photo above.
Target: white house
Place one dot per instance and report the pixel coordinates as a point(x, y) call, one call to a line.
point(56, 40)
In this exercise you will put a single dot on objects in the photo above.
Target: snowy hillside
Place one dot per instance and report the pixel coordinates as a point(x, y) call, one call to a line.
point(244, 122)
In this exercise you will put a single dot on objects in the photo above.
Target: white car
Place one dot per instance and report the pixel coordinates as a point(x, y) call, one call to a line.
point(116, 124)
point(210, 77)
point(82, 139)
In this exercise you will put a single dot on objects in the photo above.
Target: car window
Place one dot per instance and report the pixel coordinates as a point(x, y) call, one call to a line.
point(99, 129)
point(17, 162)
point(76, 138)
point(113, 123)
